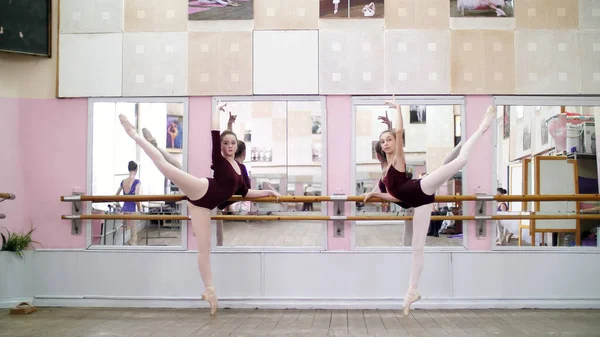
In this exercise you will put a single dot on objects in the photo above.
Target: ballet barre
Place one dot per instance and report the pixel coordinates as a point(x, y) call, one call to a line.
point(7, 196)
point(438, 198)
point(331, 218)
point(339, 201)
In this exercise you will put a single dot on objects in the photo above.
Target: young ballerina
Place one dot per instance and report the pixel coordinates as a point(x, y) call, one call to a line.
point(240, 157)
point(380, 191)
point(131, 186)
point(204, 194)
point(420, 193)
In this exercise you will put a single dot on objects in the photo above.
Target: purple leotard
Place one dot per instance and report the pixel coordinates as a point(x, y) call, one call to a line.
point(226, 181)
point(407, 190)
point(129, 206)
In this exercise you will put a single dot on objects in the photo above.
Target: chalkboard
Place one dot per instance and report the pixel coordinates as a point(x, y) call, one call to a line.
point(25, 26)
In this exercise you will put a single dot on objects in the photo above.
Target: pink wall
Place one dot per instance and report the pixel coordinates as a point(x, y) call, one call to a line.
point(479, 166)
point(43, 145)
point(11, 173)
point(54, 150)
point(199, 146)
point(339, 126)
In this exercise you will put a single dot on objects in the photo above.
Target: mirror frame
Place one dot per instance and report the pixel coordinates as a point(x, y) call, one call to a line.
point(90, 142)
point(405, 100)
point(324, 191)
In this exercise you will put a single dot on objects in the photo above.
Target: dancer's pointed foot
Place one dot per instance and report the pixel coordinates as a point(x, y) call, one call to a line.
point(411, 297)
point(488, 118)
point(210, 296)
point(500, 12)
point(148, 136)
point(129, 128)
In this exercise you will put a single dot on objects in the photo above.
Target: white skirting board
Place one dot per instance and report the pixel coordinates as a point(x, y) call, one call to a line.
point(279, 280)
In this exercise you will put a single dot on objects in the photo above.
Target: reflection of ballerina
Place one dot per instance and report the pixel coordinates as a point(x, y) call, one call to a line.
point(463, 5)
point(335, 3)
point(369, 10)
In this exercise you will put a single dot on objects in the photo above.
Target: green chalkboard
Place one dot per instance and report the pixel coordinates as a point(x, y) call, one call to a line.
point(25, 26)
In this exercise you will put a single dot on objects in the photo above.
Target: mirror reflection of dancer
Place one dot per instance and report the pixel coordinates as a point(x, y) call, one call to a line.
point(204, 194)
point(420, 193)
point(380, 191)
point(336, 3)
point(131, 186)
point(369, 10)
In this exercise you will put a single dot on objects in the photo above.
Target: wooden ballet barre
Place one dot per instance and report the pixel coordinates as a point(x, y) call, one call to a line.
point(439, 198)
point(329, 218)
point(7, 196)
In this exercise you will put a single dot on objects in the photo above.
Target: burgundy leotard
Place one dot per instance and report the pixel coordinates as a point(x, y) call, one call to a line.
point(246, 181)
point(384, 190)
point(407, 190)
point(226, 181)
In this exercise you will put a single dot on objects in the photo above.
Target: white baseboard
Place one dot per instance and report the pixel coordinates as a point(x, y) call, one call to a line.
point(11, 302)
point(291, 303)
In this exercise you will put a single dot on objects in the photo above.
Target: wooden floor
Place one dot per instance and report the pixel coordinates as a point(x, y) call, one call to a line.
point(197, 322)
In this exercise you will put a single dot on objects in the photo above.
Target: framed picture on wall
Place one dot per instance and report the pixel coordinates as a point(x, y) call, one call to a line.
point(174, 134)
point(506, 122)
point(344, 9)
point(418, 114)
point(220, 10)
point(482, 8)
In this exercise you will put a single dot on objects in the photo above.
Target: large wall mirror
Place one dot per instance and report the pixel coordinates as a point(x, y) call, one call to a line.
point(547, 145)
point(285, 151)
point(432, 129)
point(116, 164)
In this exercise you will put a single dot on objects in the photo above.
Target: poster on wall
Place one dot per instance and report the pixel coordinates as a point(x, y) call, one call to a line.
point(220, 10)
point(174, 134)
point(344, 9)
point(481, 8)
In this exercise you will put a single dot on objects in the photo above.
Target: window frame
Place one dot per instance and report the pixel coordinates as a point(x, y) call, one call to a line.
point(89, 177)
point(537, 100)
point(405, 100)
point(324, 190)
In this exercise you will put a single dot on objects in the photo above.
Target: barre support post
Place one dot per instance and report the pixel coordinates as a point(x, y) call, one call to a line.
point(339, 206)
point(481, 214)
point(76, 209)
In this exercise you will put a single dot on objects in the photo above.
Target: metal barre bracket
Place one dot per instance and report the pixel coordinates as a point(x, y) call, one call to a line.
point(2, 216)
point(480, 214)
point(76, 209)
point(339, 206)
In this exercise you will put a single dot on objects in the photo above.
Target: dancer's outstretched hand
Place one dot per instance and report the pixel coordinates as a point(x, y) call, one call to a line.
point(385, 120)
point(221, 106)
point(392, 104)
point(231, 118)
point(367, 196)
point(275, 194)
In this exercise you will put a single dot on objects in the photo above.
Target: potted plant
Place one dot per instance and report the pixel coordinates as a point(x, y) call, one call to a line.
point(17, 242)
point(14, 282)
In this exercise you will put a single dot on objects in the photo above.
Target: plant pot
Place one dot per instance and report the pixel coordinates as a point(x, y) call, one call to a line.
point(14, 278)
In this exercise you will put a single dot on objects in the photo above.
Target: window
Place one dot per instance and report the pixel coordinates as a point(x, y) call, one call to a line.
point(284, 140)
point(112, 151)
point(432, 128)
point(547, 145)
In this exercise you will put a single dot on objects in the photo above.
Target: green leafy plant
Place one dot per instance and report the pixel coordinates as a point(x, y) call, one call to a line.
point(17, 242)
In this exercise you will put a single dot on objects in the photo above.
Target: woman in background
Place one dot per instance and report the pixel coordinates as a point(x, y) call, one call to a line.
point(131, 186)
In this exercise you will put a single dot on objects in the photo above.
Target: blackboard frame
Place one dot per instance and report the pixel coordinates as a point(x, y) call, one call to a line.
point(48, 53)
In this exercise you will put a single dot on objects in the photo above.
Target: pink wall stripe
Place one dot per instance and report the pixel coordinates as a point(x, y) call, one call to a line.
point(478, 168)
point(339, 130)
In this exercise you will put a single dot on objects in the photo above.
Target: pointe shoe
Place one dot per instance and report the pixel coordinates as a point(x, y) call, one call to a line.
point(210, 296)
point(148, 136)
point(500, 12)
point(129, 128)
point(411, 297)
point(488, 118)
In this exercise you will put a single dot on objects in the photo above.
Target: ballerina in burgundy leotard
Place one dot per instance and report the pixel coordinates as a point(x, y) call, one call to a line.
point(380, 191)
point(420, 193)
point(204, 194)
